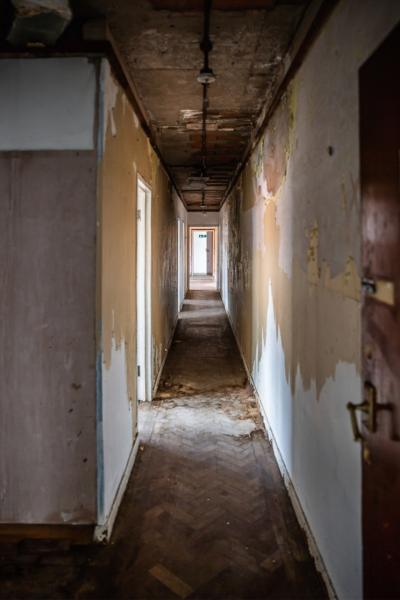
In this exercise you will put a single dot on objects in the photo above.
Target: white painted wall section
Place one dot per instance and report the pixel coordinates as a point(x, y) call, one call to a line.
point(316, 445)
point(47, 104)
point(118, 427)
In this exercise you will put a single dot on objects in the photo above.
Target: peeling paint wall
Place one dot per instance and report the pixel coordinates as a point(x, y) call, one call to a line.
point(166, 207)
point(68, 211)
point(291, 279)
point(125, 154)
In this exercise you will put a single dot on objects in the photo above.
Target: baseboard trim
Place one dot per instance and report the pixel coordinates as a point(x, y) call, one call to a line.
point(76, 534)
point(160, 370)
point(102, 532)
point(297, 507)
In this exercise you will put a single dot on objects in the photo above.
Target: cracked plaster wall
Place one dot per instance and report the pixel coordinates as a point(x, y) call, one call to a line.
point(291, 279)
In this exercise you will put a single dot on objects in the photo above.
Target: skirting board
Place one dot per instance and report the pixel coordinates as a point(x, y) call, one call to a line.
point(102, 532)
point(76, 534)
point(160, 370)
point(298, 509)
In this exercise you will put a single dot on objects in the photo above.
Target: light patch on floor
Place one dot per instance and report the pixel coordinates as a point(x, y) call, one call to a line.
point(175, 584)
point(203, 282)
point(206, 513)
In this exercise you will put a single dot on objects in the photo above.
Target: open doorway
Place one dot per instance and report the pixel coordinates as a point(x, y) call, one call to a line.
point(143, 293)
point(203, 258)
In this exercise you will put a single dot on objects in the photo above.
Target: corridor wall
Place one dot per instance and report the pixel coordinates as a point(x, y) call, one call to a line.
point(291, 280)
point(70, 154)
point(48, 274)
point(124, 154)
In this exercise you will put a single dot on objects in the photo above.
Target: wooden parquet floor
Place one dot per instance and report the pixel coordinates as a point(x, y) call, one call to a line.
point(206, 514)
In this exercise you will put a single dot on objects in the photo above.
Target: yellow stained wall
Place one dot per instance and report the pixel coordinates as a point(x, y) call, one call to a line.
point(126, 154)
point(254, 260)
point(291, 280)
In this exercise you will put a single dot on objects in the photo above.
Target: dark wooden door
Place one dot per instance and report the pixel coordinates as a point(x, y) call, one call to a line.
point(380, 185)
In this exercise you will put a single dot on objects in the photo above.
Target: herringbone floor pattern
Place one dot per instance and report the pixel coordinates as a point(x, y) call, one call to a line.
point(206, 514)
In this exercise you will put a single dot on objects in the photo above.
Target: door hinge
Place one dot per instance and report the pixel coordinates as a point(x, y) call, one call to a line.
point(139, 214)
point(138, 370)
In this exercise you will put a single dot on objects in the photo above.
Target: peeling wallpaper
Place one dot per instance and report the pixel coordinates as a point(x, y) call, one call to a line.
point(291, 255)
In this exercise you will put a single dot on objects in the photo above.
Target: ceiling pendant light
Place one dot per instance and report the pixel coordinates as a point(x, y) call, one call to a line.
point(206, 76)
point(203, 206)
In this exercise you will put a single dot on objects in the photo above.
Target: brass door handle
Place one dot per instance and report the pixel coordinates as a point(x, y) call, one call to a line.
point(368, 407)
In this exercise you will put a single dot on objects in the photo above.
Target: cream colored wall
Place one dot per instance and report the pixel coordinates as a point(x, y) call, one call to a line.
point(291, 279)
point(166, 209)
point(125, 153)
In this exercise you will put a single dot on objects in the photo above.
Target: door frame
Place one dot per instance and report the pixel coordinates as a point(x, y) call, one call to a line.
point(215, 245)
point(192, 262)
point(144, 218)
point(181, 262)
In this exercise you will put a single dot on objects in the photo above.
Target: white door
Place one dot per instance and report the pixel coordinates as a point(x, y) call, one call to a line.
point(200, 252)
point(181, 262)
point(143, 294)
point(210, 253)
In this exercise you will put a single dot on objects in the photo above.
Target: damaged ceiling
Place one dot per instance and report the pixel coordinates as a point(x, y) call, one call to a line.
point(159, 42)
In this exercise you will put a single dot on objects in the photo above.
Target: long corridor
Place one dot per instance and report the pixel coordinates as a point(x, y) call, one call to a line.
point(206, 514)
point(200, 299)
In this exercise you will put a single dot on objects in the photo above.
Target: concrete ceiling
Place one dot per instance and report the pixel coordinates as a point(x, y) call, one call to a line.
point(159, 41)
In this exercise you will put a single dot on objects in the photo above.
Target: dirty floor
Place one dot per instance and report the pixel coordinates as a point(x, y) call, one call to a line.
point(206, 514)
point(203, 282)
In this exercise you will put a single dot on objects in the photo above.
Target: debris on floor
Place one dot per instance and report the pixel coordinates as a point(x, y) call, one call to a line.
point(206, 513)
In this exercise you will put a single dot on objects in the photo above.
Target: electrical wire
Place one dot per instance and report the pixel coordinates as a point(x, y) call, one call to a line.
point(206, 47)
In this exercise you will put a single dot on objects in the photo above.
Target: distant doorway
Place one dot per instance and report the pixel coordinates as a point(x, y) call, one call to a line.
point(203, 258)
point(143, 293)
